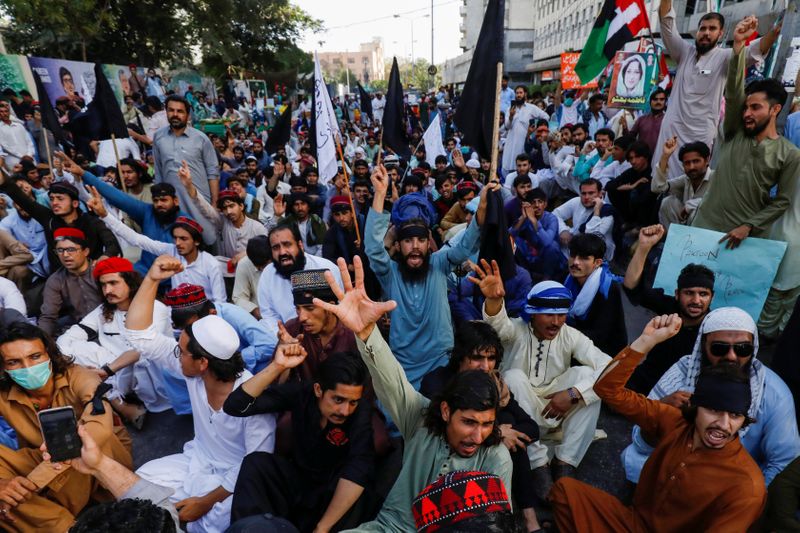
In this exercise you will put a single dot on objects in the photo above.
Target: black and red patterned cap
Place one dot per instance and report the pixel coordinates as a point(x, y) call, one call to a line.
point(459, 496)
point(185, 295)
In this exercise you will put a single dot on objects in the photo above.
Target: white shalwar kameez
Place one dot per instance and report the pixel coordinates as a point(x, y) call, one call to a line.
point(143, 377)
point(212, 459)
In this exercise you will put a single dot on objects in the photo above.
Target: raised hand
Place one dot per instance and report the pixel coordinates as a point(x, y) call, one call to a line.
point(355, 310)
point(289, 355)
point(69, 165)
point(185, 175)
point(488, 280)
point(380, 180)
point(284, 337)
point(649, 236)
point(656, 331)
point(164, 267)
point(670, 146)
point(279, 206)
point(744, 29)
point(95, 203)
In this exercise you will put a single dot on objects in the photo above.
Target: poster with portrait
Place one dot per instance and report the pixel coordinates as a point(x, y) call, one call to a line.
point(242, 90)
point(258, 90)
point(632, 79)
point(61, 77)
point(15, 74)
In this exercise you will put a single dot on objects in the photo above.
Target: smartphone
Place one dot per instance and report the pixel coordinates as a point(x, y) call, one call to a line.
point(60, 433)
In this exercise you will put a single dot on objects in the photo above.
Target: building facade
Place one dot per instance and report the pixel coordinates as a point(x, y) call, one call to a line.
point(367, 64)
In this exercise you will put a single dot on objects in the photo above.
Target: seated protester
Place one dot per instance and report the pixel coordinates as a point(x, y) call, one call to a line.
point(15, 260)
point(597, 157)
point(440, 164)
point(253, 167)
point(36, 375)
point(536, 146)
point(362, 197)
point(466, 300)
point(722, 488)
point(728, 335)
point(618, 161)
point(204, 475)
point(456, 430)
point(341, 240)
point(272, 187)
point(465, 502)
point(684, 193)
point(452, 236)
point(412, 183)
point(317, 194)
point(321, 486)
point(200, 267)
point(138, 506)
point(98, 342)
point(535, 234)
point(312, 227)
point(240, 184)
point(417, 277)
point(154, 218)
point(360, 170)
point(445, 189)
point(513, 208)
point(596, 309)
point(30, 233)
point(248, 272)
point(630, 192)
point(594, 116)
point(550, 367)
point(589, 213)
point(64, 212)
point(465, 191)
point(692, 299)
point(274, 287)
point(229, 218)
point(318, 331)
point(478, 347)
point(70, 293)
point(523, 163)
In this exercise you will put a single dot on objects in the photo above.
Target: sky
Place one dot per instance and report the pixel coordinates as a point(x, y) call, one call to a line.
point(351, 22)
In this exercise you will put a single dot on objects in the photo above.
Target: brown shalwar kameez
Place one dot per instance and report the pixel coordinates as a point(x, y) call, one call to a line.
point(681, 488)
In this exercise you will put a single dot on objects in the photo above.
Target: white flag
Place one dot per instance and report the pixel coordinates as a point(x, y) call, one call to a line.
point(327, 127)
point(433, 141)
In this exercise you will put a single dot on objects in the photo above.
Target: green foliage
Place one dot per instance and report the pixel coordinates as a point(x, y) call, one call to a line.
point(257, 35)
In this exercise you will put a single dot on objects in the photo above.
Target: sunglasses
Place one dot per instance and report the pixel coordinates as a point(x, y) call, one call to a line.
point(741, 349)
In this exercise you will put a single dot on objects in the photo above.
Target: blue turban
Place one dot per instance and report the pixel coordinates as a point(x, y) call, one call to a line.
point(411, 206)
point(548, 297)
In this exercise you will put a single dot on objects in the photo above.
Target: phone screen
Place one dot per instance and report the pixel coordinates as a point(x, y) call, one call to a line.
point(60, 432)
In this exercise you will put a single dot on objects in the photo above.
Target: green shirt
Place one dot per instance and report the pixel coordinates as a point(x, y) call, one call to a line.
point(747, 170)
point(426, 457)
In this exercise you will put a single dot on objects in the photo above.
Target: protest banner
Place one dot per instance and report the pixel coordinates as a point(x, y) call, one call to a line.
point(15, 74)
point(569, 79)
point(743, 275)
point(61, 77)
point(632, 80)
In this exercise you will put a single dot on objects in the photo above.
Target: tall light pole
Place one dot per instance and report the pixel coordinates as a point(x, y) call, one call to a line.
point(411, 22)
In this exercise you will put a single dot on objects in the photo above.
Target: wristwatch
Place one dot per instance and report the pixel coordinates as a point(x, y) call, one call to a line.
point(109, 372)
point(573, 396)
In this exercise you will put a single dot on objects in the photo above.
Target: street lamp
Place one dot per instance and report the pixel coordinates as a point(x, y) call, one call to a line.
point(411, 23)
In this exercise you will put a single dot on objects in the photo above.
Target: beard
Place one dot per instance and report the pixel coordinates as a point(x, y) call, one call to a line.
point(758, 128)
point(166, 218)
point(704, 48)
point(414, 274)
point(176, 124)
point(286, 272)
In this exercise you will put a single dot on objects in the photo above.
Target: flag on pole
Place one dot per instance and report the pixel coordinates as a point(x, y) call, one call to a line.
point(281, 131)
point(105, 113)
point(474, 115)
point(49, 118)
point(325, 126)
point(433, 141)
point(619, 21)
point(394, 119)
point(366, 101)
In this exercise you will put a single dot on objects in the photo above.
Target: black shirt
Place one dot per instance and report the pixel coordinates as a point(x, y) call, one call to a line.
point(605, 322)
point(321, 454)
point(667, 353)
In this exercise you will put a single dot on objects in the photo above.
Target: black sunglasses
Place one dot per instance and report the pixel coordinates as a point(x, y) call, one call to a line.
point(741, 349)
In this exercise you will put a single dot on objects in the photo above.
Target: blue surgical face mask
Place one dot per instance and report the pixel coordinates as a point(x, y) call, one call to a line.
point(568, 102)
point(31, 378)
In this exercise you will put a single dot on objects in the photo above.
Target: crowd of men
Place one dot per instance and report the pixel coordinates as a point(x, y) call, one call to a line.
point(409, 345)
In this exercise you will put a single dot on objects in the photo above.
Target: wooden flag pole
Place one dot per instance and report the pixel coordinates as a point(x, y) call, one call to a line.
point(496, 125)
point(380, 147)
point(47, 149)
point(349, 193)
point(119, 168)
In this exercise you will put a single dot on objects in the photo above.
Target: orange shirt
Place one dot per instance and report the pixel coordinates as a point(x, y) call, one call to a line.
point(682, 488)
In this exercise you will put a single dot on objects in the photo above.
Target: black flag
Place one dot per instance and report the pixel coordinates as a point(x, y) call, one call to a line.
point(49, 118)
point(394, 122)
point(366, 102)
point(104, 110)
point(474, 115)
point(281, 131)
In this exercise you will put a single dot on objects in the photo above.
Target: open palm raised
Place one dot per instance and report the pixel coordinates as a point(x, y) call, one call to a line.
point(355, 309)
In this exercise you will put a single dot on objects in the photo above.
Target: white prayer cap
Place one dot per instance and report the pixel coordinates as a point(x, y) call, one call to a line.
point(473, 163)
point(216, 336)
point(728, 319)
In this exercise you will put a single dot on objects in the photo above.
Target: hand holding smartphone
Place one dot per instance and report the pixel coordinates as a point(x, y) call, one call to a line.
point(60, 433)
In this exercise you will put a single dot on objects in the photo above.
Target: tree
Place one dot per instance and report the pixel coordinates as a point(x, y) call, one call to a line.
point(416, 76)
